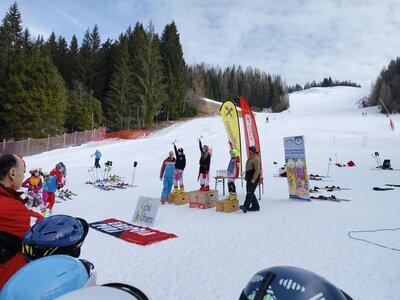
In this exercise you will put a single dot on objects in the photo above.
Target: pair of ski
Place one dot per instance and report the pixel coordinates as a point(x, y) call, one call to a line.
point(329, 198)
point(317, 178)
point(390, 188)
point(331, 188)
point(104, 187)
point(68, 192)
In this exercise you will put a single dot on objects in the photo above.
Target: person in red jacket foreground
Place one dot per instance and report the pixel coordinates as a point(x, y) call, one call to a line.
point(15, 218)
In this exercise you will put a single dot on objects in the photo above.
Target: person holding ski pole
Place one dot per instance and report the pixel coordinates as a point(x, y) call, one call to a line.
point(204, 169)
point(167, 171)
point(97, 156)
point(180, 165)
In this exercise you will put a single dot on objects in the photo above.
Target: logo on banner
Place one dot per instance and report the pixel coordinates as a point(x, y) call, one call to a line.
point(249, 128)
point(296, 167)
point(146, 211)
point(131, 233)
point(298, 140)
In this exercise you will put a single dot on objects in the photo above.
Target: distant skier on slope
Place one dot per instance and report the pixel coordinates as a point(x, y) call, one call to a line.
point(97, 156)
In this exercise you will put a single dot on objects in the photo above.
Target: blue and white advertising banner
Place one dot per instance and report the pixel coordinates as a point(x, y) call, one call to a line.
point(296, 167)
point(146, 211)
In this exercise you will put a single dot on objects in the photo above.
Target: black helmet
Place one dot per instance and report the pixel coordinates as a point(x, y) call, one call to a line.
point(180, 150)
point(58, 234)
point(284, 282)
point(108, 291)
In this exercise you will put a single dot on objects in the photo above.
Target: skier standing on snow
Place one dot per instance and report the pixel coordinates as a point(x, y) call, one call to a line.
point(63, 173)
point(233, 173)
point(97, 156)
point(51, 198)
point(15, 218)
point(180, 165)
point(34, 185)
point(205, 161)
point(167, 171)
point(253, 166)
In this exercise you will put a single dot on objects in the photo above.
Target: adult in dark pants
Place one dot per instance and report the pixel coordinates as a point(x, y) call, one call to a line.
point(253, 166)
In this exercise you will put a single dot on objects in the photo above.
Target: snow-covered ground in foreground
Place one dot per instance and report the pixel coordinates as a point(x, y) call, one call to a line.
point(216, 254)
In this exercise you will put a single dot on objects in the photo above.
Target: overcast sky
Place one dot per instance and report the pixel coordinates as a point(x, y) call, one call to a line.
point(301, 40)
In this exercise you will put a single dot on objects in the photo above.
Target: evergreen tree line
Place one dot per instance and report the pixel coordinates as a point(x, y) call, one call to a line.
point(327, 82)
point(261, 90)
point(48, 87)
point(387, 88)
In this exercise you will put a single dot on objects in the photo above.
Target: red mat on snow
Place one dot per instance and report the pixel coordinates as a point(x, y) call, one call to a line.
point(131, 233)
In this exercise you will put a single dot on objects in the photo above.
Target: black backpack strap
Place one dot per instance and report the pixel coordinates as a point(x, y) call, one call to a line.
point(9, 246)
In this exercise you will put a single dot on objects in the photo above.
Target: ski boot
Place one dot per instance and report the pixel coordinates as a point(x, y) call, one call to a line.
point(202, 188)
point(162, 201)
point(232, 197)
point(206, 188)
point(182, 190)
point(175, 190)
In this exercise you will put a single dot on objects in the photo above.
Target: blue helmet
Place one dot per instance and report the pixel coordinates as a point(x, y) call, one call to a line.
point(58, 234)
point(108, 291)
point(284, 282)
point(48, 278)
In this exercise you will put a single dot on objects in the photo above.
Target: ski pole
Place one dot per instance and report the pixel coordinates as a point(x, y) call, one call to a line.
point(134, 169)
point(276, 167)
point(90, 174)
point(329, 164)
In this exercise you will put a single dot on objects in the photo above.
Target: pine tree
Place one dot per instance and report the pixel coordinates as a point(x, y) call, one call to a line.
point(150, 77)
point(88, 58)
point(84, 110)
point(11, 39)
point(119, 108)
point(11, 43)
point(136, 43)
point(71, 69)
point(35, 96)
point(174, 70)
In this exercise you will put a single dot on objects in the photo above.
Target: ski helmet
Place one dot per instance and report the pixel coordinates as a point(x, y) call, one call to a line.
point(58, 166)
point(286, 282)
point(180, 150)
point(108, 291)
point(33, 171)
point(48, 278)
point(58, 234)
point(235, 152)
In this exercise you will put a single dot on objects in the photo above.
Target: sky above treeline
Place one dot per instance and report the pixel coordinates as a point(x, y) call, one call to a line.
point(301, 40)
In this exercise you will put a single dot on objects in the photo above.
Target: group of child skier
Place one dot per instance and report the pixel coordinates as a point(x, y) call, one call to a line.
point(172, 171)
point(41, 193)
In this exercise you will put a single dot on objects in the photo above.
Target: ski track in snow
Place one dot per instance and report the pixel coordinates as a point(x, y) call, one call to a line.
point(216, 254)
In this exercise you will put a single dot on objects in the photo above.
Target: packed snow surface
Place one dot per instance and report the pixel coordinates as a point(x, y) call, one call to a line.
point(216, 254)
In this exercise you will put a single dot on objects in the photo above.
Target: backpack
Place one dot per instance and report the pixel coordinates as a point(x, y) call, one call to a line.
point(50, 185)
